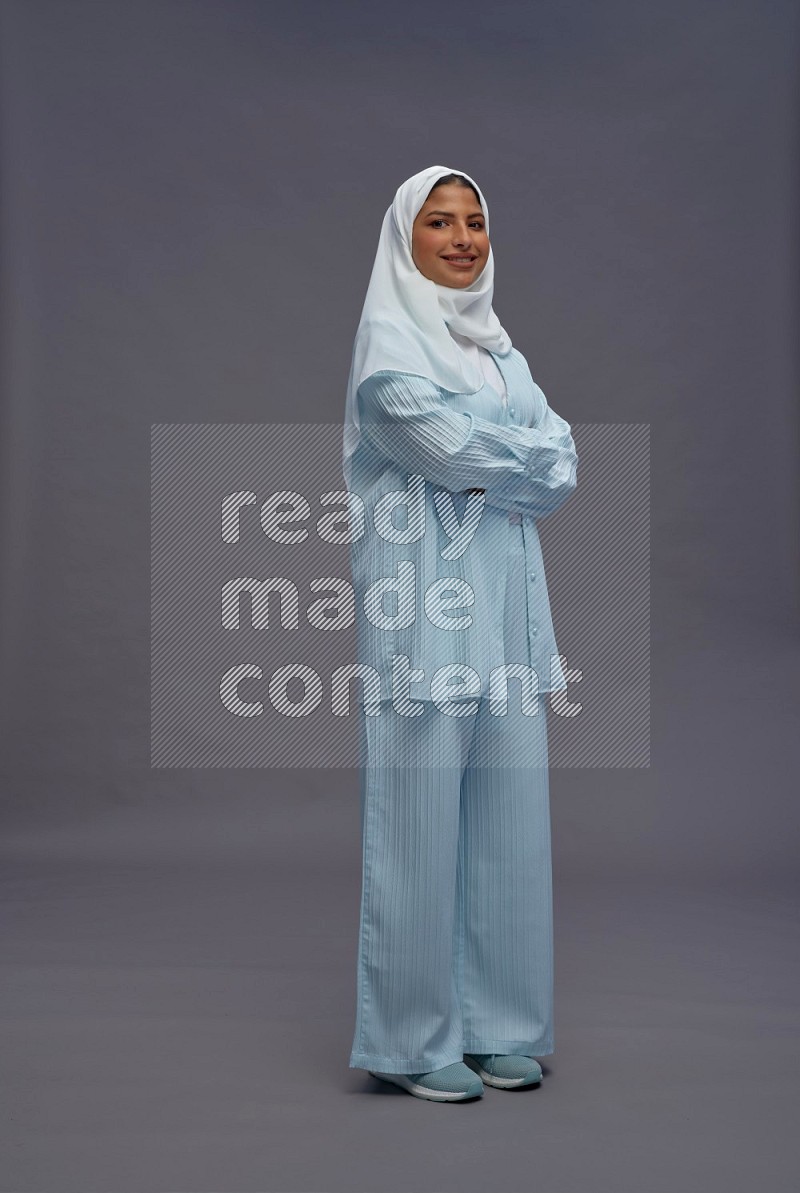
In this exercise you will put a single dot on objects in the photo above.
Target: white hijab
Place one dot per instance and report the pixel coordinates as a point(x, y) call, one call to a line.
point(405, 319)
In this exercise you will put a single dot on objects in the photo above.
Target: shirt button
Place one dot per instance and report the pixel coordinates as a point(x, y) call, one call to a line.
point(534, 631)
point(511, 411)
point(532, 575)
point(528, 519)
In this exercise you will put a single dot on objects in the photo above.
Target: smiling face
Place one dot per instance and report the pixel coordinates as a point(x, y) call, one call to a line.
point(450, 244)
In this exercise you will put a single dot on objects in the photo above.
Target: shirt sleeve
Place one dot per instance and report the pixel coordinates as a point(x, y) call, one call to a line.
point(530, 470)
point(561, 480)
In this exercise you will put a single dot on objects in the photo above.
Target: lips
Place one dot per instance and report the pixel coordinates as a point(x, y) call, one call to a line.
point(460, 262)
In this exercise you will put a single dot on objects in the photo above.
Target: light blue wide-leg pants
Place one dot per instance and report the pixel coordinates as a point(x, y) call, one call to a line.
point(455, 949)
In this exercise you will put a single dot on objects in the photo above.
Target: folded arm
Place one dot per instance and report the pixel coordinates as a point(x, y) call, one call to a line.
point(530, 470)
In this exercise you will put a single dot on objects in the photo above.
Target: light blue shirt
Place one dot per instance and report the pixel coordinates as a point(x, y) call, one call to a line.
point(523, 454)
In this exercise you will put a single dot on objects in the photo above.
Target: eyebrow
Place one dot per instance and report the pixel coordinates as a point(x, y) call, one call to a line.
point(452, 216)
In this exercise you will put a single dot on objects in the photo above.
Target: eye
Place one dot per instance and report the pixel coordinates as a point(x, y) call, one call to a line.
point(475, 223)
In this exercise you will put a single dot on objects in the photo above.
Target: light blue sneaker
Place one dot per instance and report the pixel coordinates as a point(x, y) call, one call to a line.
point(453, 1083)
point(504, 1072)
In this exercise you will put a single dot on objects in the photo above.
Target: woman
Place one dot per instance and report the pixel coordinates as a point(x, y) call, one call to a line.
point(454, 452)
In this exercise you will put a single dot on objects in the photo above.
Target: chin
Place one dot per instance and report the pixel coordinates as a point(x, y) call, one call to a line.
point(459, 283)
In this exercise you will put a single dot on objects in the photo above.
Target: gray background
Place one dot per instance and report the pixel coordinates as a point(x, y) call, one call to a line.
point(191, 197)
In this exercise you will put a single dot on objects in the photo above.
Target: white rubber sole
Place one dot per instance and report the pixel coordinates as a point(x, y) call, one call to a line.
point(433, 1095)
point(501, 1082)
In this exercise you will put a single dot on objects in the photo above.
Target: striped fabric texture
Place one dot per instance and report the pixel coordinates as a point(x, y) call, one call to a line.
point(522, 454)
point(455, 947)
